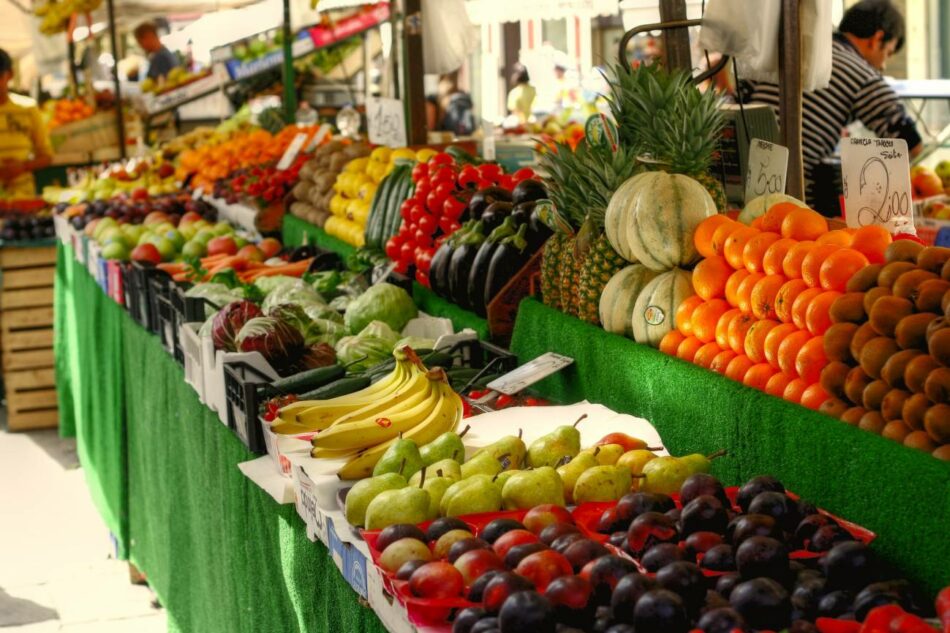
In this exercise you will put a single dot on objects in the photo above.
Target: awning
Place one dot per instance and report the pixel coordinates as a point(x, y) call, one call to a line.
point(639, 12)
point(484, 11)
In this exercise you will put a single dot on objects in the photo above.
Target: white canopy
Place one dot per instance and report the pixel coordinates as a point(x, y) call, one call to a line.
point(486, 11)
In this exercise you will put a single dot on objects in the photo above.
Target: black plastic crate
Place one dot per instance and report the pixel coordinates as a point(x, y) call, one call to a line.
point(142, 286)
point(157, 288)
point(244, 388)
point(181, 309)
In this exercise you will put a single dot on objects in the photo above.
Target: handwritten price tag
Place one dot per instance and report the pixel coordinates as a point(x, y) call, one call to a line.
point(292, 150)
point(318, 137)
point(386, 122)
point(875, 174)
point(768, 168)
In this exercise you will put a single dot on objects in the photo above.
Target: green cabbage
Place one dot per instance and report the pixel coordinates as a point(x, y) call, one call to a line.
point(342, 302)
point(415, 342)
point(298, 292)
point(317, 311)
point(371, 346)
point(272, 283)
point(383, 302)
point(325, 331)
point(218, 294)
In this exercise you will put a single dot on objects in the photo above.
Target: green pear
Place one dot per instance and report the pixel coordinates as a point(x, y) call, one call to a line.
point(436, 487)
point(449, 468)
point(471, 496)
point(699, 463)
point(602, 483)
point(557, 447)
point(511, 446)
point(364, 491)
point(504, 476)
point(484, 464)
point(570, 471)
point(401, 454)
point(634, 461)
point(607, 454)
point(446, 446)
point(405, 505)
point(664, 475)
point(530, 488)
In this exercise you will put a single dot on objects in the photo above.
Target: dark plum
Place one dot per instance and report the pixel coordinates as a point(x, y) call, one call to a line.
point(660, 611)
point(390, 534)
point(650, 528)
point(719, 558)
point(446, 524)
point(661, 555)
point(761, 556)
point(762, 603)
point(627, 593)
point(721, 620)
point(496, 528)
point(686, 580)
point(552, 532)
point(466, 619)
point(703, 484)
point(726, 583)
point(744, 526)
point(756, 485)
point(827, 537)
point(516, 553)
point(705, 513)
point(849, 565)
point(835, 603)
point(527, 611)
point(778, 506)
point(701, 542)
point(604, 574)
point(583, 551)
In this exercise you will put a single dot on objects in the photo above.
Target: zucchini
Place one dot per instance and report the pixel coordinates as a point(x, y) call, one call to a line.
point(340, 387)
point(308, 380)
point(400, 194)
point(377, 213)
point(438, 359)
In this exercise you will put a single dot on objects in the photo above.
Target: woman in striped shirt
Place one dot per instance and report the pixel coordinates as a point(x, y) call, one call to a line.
point(869, 33)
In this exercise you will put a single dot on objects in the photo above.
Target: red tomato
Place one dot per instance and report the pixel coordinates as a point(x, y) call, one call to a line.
point(483, 184)
point(402, 266)
point(420, 171)
point(406, 252)
point(416, 212)
point(427, 224)
point(490, 171)
point(424, 260)
point(468, 177)
point(404, 231)
point(405, 208)
point(423, 188)
point(448, 225)
point(525, 173)
point(507, 181)
point(422, 238)
point(504, 400)
point(442, 159)
point(434, 202)
point(422, 278)
point(393, 248)
point(453, 207)
point(443, 174)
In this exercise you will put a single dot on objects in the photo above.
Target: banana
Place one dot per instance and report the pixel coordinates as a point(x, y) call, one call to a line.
point(290, 428)
point(417, 382)
point(324, 453)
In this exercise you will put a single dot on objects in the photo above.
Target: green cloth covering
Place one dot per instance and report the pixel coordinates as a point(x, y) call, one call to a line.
point(295, 230)
point(901, 494)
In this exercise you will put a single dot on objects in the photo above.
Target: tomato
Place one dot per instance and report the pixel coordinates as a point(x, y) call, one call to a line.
point(525, 173)
point(393, 248)
point(422, 278)
point(416, 212)
point(448, 225)
point(435, 203)
point(468, 177)
point(466, 409)
point(441, 159)
point(504, 400)
point(427, 224)
point(424, 260)
point(443, 174)
point(483, 184)
point(402, 266)
point(422, 190)
point(406, 251)
point(422, 238)
point(420, 171)
point(475, 394)
point(507, 181)
point(490, 171)
point(453, 207)
point(405, 208)
point(405, 232)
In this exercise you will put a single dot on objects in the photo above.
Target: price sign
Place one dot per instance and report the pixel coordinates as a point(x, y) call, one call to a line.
point(768, 168)
point(318, 137)
point(292, 150)
point(198, 193)
point(306, 502)
point(875, 174)
point(386, 122)
point(488, 143)
point(531, 372)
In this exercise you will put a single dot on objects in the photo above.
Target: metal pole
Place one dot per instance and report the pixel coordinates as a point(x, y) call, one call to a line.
point(414, 69)
point(676, 49)
point(290, 88)
point(790, 95)
point(119, 118)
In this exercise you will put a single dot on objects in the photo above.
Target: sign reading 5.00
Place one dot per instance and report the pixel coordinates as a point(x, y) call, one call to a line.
point(386, 122)
point(768, 167)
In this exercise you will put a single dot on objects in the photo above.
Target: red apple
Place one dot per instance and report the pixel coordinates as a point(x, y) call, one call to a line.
point(251, 253)
point(166, 170)
point(926, 184)
point(140, 193)
point(510, 539)
point(543, 567)
point(539, 517)
point(190, 217)
point(628, 442)
point(436, 580)
point(146, 252)
point(222, 245)
point(155, 217)
point(269, 246)
point(476, 562)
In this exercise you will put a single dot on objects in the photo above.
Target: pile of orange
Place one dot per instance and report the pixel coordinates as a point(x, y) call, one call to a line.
point(69, 110)
point(764, 295)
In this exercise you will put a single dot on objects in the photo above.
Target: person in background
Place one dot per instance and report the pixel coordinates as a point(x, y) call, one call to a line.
point(869, 33)
point(457, 106)
point(566, 96)
point(161, 61)
point(521, 96)
point(24, 145)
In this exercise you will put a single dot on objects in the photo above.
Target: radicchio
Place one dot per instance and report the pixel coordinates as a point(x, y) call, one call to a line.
point(229, 321)
point(280, 343)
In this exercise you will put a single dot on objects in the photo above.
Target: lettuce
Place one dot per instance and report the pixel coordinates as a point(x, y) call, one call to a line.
point(368, 348)
point(316, 311)
point(297, 292)
point(383, 302)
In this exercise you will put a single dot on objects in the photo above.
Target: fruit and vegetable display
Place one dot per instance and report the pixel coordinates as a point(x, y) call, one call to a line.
point(927, 183)
point(63, 111)
point(18, 226)
point(313, 192)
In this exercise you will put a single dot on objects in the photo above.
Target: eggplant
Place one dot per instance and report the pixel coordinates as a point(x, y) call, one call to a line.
point(522, 212)
point(483, 198)
point(462, 257)
point(528, 191)
point(439, 267)
point(512, 253)
point(494, 215)
point(538, 231)
point(479, 272)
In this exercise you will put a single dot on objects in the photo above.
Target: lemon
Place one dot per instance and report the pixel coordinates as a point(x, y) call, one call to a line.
point(381, 154)
point(403, 152)
point(424, 154)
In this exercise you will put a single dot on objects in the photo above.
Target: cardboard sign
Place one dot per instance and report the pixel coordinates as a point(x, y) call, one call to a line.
point(531, 372)
point(306, 503)
point(875, 175)
point(768, 168)
point(318, 137)
point(292, 150)
point(386, 122)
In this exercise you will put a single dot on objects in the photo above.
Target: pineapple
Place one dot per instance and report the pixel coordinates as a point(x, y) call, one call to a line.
point(601, 264)
point(550, 265)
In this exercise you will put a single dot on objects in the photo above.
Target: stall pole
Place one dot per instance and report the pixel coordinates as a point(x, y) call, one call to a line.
point(790, 94)
point(290, 87)
point(119, 117)
point(676, 49)
point(414, 69)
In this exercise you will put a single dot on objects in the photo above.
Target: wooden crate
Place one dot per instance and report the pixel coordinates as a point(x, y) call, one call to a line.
point(26, 337)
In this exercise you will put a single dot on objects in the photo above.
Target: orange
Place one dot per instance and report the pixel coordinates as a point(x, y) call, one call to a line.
point(764, 294)
point(837, 270)
point(774, 339)
point(804, 224)
point(758, 376)
point(755, 249)
point(776, 384)
point(813, 396)
point(792, 265)
point(703, 237)
point(811, 265)
point(775, 255)
point(737, 367)
point(800, 307)
point(735, 244)
point(818, 312)
point(705, 318)
point(794, 390)
point(756, 223)
point(670, 342)
point(754, 345)
point(722, 232)
point(811, 360)
point(684, 313)
point(721, 361)
point(688, 347)
point(839, 237)
point(785, 299)
point(736, 333)
point(871, 241)
point(788, 351)
point(705, 354)
point(772, 219)
point(732, 286)
point(710, 277)
point(722, 328)
point(744, 291)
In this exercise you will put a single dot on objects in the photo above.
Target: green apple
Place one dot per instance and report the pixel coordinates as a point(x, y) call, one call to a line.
point(176, 238)
point(204, 236)
point(104, 223)
point(111, 233)
point(240, 242)
point(164, 227)
point(145, 237)
point(194, 248)
point(166, 248)
point(115, 250)
point(187, 231)
point(223, 228)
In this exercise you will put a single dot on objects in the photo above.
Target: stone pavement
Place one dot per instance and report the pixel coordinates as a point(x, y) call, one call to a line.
point(58, 570)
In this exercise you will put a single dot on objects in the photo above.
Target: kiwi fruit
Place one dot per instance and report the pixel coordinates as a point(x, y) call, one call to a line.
point(848, 308)
point(920, 440)
point(945, 271)
point(873, 422)
point(902, 251)
point(930, 295)
point(875, 353)
point(933, 258)
point(937, 423)
point(853, 415)
point(855, 384)
point(911, 331)
point(861, 336)
point(908, 284)
point(945, 303)
point(833, 407)
point(838, 342)
point(833, 378)
point(939, 345)
point(864, 279)
point(936, 325)
point(887, 312)
point(892, 406)
point(937, 385)
point(942, 452)
point(895, 430)
point(874, 394)
point(891, 272)
point(893, 371)
point(872, 295)
point(917, 371)
point(914, 410)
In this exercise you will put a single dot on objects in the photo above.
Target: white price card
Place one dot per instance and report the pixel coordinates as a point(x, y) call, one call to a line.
point(875, 175)
point(292, 150)
point(307, 504)
point(767, 170)
point(318, 137)
point(386, 122)
point(531, 372)
point(198, 193)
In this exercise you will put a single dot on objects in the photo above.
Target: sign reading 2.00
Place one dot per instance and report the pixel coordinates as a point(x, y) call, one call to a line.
point(875, 177)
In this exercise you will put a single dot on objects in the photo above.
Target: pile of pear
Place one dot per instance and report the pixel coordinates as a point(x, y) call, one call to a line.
point(413, 485)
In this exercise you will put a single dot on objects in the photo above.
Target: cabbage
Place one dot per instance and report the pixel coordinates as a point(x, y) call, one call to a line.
point(297, 292)
point(415, 342)
point(277, 341)
point(228, 322)
point(383, 302)
point(293, 314)
point(325, 331)
point(217, 294)
point(380, 330)
point(272, 283)
point(313, 330)
point(316, 311)
point(375, 342)
point(342, 302)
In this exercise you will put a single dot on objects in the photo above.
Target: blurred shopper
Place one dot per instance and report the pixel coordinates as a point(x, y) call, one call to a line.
point(457, 107)
point(522, 94)
point(161, 61)
point(24, 145)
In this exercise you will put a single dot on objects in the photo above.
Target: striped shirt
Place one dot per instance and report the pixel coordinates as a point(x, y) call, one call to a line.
point(857, 91)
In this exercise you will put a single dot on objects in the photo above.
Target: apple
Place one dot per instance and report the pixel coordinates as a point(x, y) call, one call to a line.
point(539, 517)
point(543, 567)
point(509, 539)
point(270, 247)
point(146, 253)
point(111, 233)
point(223, 228)
point(476, 562)
point(115, 250)
point(145, 238)
point(223, 244)
point(204, 236)
point(193, 248)
point(403, 551)
point(166, 170)
point(155, 217)
point(165, 247)
point(190, 217)
point(102, 225)
point(176, 238)
point(436, 580)
point(926, 184)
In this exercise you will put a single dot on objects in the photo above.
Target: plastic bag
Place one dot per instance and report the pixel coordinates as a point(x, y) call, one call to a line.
point(448, 33)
